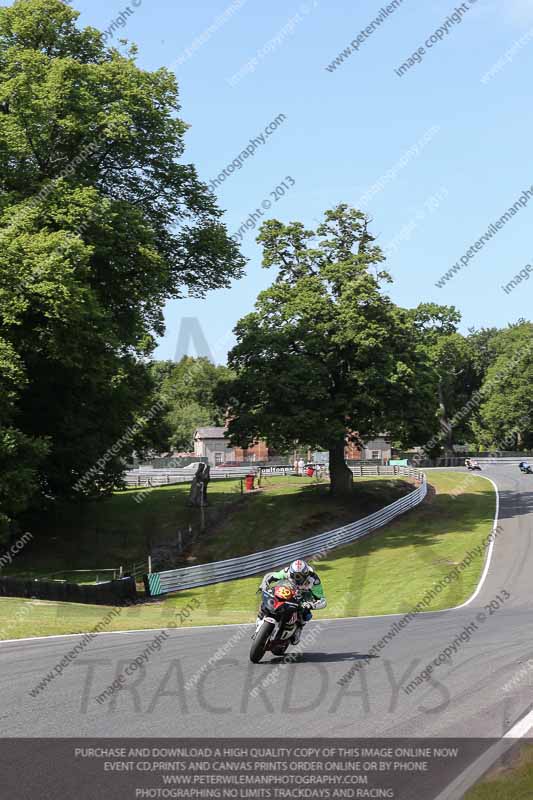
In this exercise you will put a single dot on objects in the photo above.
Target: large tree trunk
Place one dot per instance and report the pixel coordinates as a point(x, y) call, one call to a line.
point(340, 474)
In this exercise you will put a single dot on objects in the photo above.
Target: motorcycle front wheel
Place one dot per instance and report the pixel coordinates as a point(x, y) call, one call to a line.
point(259, 644)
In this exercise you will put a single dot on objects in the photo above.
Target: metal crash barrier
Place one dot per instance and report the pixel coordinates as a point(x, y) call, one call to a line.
point(158, 583)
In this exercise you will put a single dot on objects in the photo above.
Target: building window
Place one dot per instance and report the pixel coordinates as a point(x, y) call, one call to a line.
point(376, 455)
point(219, 458)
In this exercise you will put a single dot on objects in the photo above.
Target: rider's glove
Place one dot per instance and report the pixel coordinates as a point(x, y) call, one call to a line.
point(307, 605)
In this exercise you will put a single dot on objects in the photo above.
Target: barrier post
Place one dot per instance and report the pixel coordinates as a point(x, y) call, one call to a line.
point(202, 513)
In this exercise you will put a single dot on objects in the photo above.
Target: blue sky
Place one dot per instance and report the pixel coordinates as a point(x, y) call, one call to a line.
point(346, 129)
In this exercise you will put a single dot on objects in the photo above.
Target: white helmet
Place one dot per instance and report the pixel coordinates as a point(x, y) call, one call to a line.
point(299, 571)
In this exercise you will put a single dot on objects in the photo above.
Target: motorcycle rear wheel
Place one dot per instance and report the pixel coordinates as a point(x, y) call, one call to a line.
point(259, 644)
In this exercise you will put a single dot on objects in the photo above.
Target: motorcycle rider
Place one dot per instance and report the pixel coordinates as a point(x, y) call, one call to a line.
point(310, 586)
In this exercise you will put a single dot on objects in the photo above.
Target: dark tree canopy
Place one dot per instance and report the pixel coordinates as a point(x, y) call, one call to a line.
point(101, 223)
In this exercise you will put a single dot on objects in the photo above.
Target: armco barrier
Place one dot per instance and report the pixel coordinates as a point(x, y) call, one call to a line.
point(111, 593)
point(173, 580)
point(505, 461)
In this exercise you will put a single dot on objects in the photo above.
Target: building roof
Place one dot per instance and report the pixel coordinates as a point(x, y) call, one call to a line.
point(210, 433)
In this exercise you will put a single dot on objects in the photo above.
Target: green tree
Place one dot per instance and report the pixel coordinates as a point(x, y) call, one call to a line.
point(326, 355)
point(20, 455)
point(188, 390)
point(482, 347)
point(453, 359)
point(101, 222)
point(505, 417)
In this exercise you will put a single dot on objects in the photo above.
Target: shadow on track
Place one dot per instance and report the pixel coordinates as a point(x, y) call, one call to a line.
point(516, 503)
point(320, 658)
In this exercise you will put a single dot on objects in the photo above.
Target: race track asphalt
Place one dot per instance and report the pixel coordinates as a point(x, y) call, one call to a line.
point(467, 697)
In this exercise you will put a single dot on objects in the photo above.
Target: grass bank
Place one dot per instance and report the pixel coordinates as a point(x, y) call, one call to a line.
point(511, 782)
point(290, 509)
point(113, 532)
point(386, 573)
point(118, 531)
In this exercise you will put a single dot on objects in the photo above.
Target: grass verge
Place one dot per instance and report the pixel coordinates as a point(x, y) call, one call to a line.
point(386, 573)
point(513, 782)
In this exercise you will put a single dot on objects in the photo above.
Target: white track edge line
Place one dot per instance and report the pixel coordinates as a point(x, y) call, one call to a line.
point(475, 771)
point(488, 559)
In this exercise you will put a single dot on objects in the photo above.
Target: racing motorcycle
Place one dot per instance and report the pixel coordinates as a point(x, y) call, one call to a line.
point(278, 620)
point(525, 468)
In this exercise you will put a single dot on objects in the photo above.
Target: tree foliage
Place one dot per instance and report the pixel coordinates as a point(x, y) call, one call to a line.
point(326, 354)
point(101, 222)
point(188, 390)
point(505, 417)
point(453, 358)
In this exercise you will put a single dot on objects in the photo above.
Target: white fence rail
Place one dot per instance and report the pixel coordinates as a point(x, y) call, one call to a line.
point(317, 546)
point(364, 470)
point(164, 477)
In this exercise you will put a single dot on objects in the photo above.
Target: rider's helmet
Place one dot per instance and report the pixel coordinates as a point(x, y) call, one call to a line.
point(299, 571)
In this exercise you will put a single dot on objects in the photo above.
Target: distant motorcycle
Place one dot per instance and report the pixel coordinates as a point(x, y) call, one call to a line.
point(525, 467)
point(274, 631)
point(472, 464)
